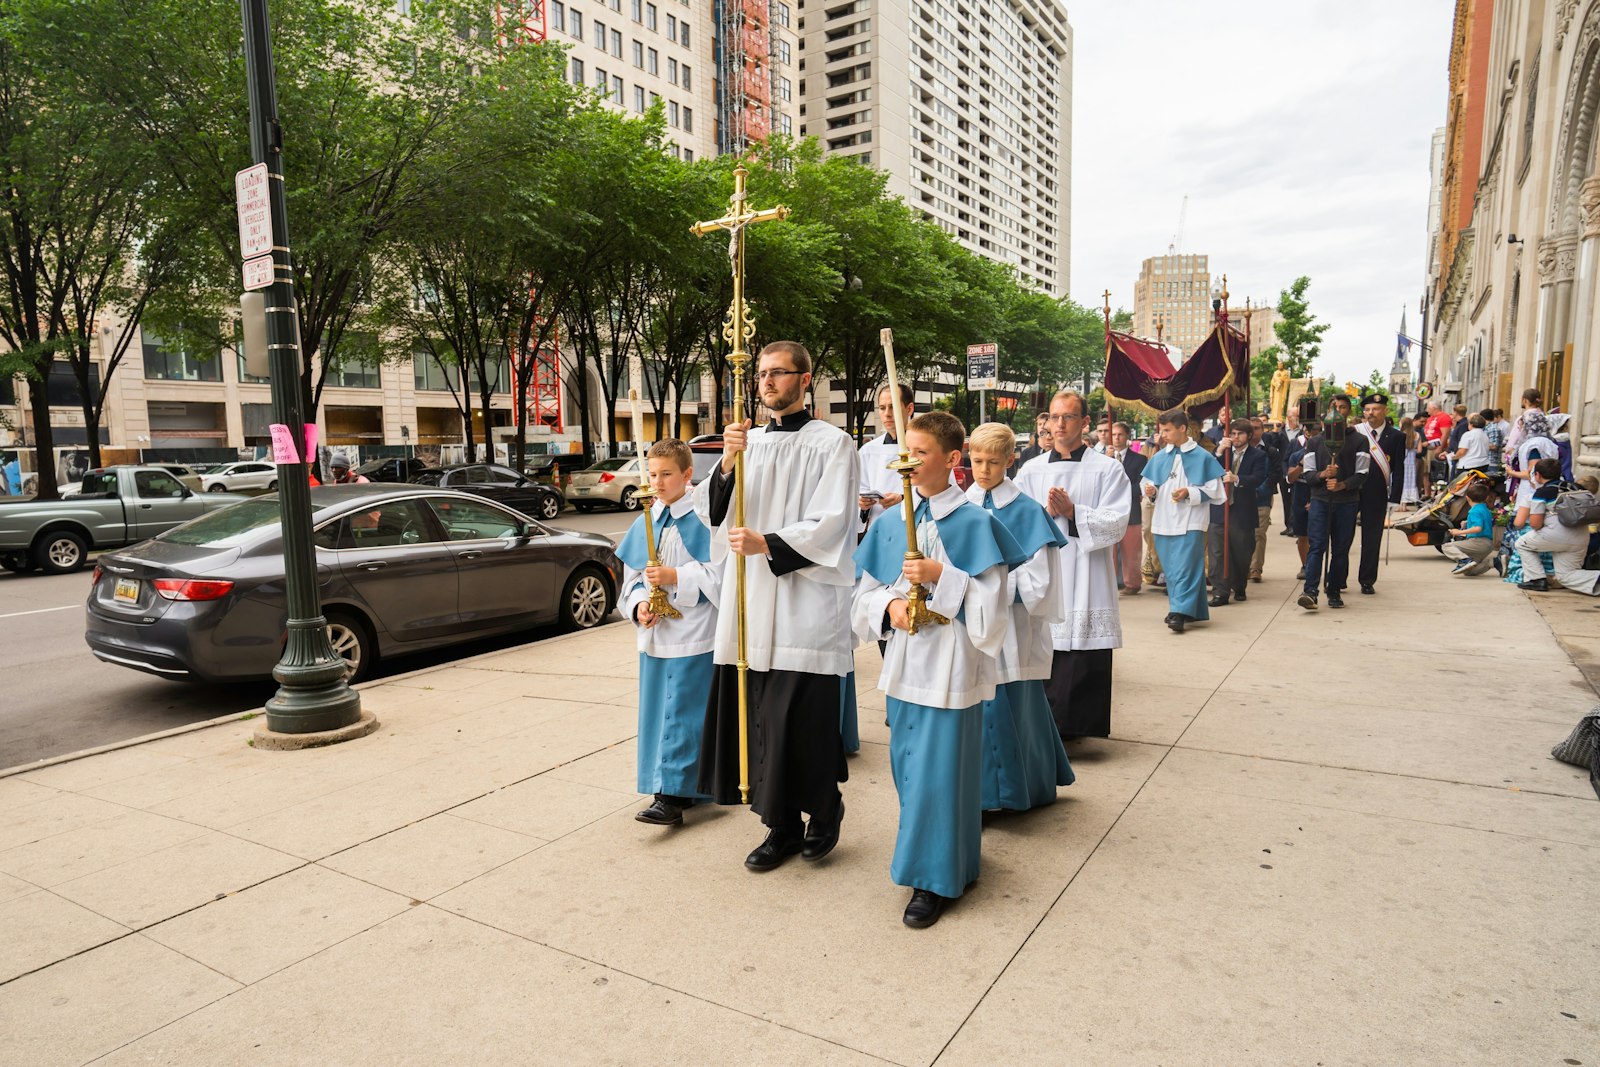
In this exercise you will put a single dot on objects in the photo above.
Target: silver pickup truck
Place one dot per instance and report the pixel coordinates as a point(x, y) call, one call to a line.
point(118, 506)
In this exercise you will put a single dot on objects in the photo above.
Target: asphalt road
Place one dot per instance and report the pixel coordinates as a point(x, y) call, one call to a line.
point(55, 697)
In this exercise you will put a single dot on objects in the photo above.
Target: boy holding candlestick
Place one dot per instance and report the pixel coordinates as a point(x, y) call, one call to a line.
point(674, 652)
point(936, 679)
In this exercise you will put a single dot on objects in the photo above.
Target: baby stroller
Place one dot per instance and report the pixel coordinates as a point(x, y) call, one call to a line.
point(1430, 523)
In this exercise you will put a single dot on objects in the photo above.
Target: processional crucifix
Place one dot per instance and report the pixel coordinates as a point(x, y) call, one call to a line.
point(738, 328)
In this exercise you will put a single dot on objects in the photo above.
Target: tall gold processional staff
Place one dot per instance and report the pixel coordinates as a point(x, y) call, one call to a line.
point(738, 328)
point(918, 614)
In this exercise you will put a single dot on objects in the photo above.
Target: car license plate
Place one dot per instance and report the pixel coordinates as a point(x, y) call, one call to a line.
point(581, 490)
point(127, 591)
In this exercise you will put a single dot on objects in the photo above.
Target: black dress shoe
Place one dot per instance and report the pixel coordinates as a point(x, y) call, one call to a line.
point(819, 843)
point(661, 813)
point(1300, 575)
point(1175, 622)
point(1307, 601)
point(1218, 602)
point(770, 854)
point(1366, 588)
point(1240, 594)
point(1538, 585)
point(924, 909)
point(1335, 600)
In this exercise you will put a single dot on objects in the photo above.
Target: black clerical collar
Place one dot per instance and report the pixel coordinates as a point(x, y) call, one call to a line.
point(1075, 457)
point(790, 422)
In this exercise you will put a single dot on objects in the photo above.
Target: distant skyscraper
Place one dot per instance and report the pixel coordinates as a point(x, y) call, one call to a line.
point(966, 104)
point(1174, 290)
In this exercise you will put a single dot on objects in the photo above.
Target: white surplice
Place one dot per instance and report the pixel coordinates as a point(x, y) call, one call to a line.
point(1174, 518)
point(1034, 593)
point(695, 595)
point(1087, 590)
point(876, 477)
point(801, 485)
point(940, 666)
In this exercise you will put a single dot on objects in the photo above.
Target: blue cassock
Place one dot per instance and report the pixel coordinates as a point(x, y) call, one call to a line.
point(1183, 557)
point(936, 754)
point(672, 689)
point(1023, 757)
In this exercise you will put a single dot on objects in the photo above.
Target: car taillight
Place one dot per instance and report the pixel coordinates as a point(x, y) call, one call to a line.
point(96, 579)
point(192, 588)
point(608, 477)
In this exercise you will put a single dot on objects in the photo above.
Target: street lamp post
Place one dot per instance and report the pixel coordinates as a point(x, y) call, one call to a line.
point(312, 695)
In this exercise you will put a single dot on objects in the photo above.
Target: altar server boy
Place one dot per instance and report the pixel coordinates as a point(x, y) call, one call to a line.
point(1183, 480)
point(1023, 758)
point(937, 679)
point(674, 653)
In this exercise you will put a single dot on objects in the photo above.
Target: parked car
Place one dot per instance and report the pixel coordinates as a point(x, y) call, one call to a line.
point(553, 468)
point(706, 452)
point(115, 506)
point(186, 474)
point(251, 474)
point(497, 483)
point(394, 469)
point(401, 568)
point(611, 481)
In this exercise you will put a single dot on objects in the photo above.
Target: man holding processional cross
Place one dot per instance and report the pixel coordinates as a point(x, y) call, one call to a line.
point(783, 509)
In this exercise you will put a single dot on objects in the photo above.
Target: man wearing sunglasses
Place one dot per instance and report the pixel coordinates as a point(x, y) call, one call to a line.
point(801, 509)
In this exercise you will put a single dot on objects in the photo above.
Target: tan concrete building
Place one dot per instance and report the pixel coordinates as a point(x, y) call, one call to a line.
point(1174, 290)
point(1516, 298)
point(966, 104)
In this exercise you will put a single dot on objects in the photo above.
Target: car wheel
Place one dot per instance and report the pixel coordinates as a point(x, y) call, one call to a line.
point(16, 562)
point(586, 600)
point(272, 486)
point(352, 642)
point(216, 487)
point(630, 501)
point(60, 552)
point(549, 506)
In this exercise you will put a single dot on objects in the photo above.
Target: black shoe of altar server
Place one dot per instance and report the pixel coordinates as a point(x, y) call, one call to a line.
point(662, 813)
point(1366, 587)
point(1239, 596)
point(924, 909)
point(1175, 622)
point(820, 840)
point(1218, 602)
point(770, 854)
point(1307, 601)
point(1335, 600)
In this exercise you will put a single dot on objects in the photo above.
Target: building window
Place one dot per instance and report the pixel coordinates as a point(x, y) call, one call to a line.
point(672, 70)
point(683, 33)
point(353, 364)
point(783, 15)
point(575, 27)
point(600, 35)
point(427, 374)
point(672, 27)
point(600, 81)
point(673, 115)
point(616, 88)
point(688, 120)
point(786, 124)
point(688, 156)
point(686, 78)
point(650, 16)
point(638, 54)
point(558, 14)
point(784, 55)
point(638, 98)
point(653, 61)
point(577, 71)
point(637, 10)
point(785, 89)
point(167, 361)
point(616, 5)
point(616, 43)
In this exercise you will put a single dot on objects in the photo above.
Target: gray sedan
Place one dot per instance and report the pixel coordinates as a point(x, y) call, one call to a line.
point(400, 568)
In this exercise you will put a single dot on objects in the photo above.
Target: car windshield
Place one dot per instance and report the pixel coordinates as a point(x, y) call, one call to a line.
point(226, 527)
point(611, 464)
point(426, 477)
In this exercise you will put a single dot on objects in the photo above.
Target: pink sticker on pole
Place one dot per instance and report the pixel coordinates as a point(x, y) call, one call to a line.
point(283, 445)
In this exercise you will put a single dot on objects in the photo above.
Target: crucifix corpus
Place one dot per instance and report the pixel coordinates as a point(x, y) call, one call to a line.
point(738, 328)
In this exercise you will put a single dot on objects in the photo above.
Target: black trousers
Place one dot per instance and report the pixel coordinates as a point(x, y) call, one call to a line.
point(1079, 691)
point(1241, 546)
point(1286, 489)
point(1373, 512)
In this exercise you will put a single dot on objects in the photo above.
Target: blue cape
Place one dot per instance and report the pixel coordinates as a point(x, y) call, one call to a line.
point(1199, 466)
point(696, 538)
point(1027, 522)
point(973, 539)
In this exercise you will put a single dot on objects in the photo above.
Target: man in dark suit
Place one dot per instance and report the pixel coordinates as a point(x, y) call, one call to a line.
point(1382, 486)
point(1232, 536)
point(1130, 552)
point(1041, 441)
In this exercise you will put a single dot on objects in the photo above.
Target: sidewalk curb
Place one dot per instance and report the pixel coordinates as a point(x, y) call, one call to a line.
point(240, 716)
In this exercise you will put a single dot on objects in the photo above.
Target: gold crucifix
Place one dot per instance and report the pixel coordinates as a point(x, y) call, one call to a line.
point(738, 328)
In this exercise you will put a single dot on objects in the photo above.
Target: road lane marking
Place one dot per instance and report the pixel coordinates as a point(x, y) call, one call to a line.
point(39, 611)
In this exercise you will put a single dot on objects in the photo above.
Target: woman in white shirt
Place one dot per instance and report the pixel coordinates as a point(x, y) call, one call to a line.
point(1473, 452)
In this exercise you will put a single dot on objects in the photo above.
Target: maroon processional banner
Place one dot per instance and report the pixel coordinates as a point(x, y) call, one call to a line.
point(1139, 374)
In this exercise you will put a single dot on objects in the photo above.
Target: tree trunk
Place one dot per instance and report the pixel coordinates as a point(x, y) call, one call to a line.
point(43, 437)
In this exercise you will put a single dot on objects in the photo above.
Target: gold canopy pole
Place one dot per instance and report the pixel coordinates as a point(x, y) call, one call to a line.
point(738, 328)
point(917, 611)
point(659, 605)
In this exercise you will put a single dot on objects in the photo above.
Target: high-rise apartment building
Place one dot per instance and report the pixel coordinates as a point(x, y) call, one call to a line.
point(1176, 291)
point(757, 53)
point(966, 104)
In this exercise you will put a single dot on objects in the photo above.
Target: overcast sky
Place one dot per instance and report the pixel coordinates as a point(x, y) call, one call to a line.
point(1299, 129)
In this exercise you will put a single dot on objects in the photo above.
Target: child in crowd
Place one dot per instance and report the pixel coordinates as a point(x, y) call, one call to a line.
point(1565, 545)
point(1474, 547)
point(674, 653)
point(1023, 758)
point(937, 679)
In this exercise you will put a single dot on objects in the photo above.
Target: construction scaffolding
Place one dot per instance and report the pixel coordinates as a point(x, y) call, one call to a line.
point(744, 46)
point(519, 23)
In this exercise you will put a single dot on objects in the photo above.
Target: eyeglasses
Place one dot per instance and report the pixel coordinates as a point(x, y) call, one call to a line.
point(1064, 418)
point(763, 375)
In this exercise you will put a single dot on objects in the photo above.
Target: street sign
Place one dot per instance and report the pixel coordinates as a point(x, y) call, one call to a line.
point(255, 212)
point(258, 272)
point(983, 366)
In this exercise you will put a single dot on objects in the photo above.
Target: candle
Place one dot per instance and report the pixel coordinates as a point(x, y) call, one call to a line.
point(638, 436)
point(886, 336)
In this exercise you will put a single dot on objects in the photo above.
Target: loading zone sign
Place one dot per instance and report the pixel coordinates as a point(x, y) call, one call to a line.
point(255, 211)
point(983, 366)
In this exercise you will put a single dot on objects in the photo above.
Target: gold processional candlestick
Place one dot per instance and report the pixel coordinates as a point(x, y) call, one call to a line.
point(659, 605)
point(918, 613)
point(738, 328)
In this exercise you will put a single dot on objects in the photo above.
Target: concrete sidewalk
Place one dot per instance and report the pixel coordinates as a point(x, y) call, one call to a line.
point(1332, 838)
